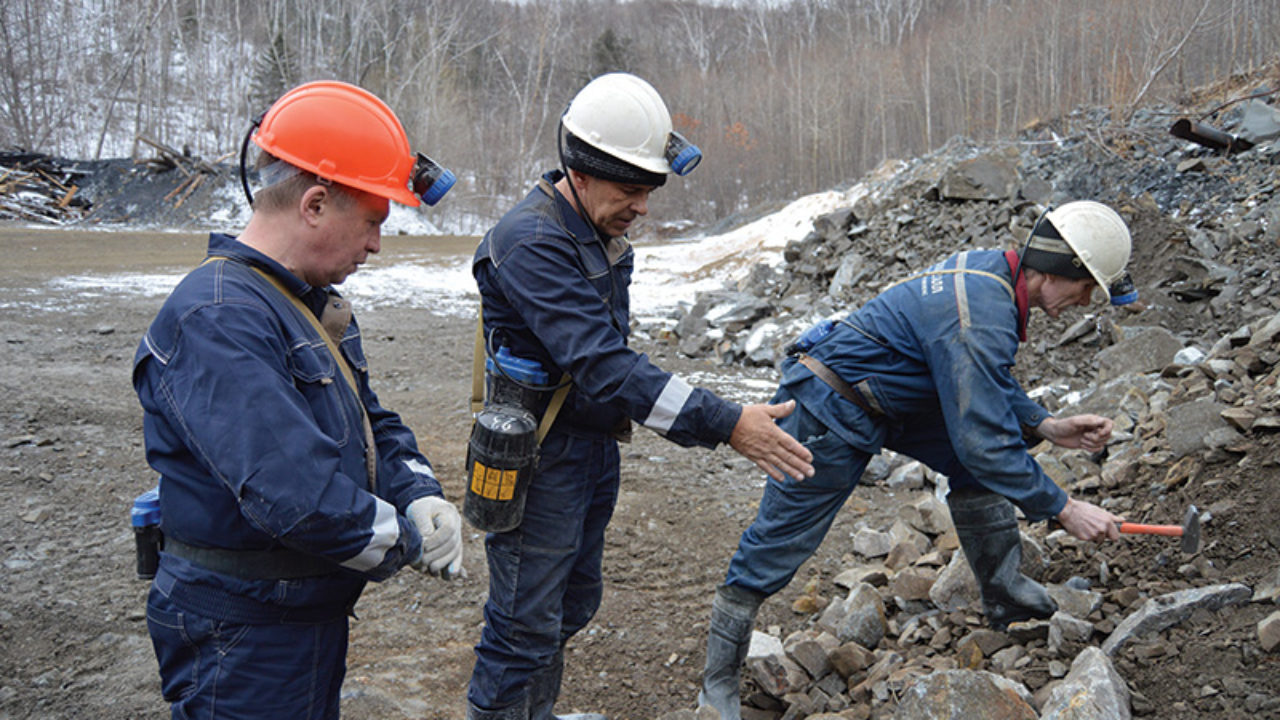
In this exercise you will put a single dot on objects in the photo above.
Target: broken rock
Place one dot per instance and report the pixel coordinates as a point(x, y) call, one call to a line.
point(1092, 690)
point(1165, 611)
point(965, 694)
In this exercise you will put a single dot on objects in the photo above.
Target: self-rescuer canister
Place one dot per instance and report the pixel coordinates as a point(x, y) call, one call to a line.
point(503, 448)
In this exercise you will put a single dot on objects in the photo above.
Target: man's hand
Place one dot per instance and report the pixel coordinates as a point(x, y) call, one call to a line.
point(441, 528)
point(1087, 521)
point(759, 440)
point(1089, 432)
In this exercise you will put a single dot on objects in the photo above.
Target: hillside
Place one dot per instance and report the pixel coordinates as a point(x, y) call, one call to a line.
point(1189, 374)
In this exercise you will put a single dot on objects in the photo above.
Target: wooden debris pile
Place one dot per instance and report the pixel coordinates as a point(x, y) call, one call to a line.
point(193, 168)
point(39, 188)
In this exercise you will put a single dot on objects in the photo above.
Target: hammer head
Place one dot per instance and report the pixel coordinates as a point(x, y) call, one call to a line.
point(1191, 531)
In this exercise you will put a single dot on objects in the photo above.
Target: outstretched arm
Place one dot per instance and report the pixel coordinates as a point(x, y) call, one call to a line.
point(757, 438)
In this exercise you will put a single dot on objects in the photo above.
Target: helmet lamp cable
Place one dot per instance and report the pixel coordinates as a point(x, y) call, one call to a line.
point(244, 154)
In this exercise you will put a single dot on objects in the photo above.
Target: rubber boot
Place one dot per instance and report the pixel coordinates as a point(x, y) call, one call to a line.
point(733, 616)
point(544, 689)
point(992, 544)
point(518, 711)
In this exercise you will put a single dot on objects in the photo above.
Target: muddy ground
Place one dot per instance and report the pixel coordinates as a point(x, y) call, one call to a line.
point(72, 624)
point(73, 640)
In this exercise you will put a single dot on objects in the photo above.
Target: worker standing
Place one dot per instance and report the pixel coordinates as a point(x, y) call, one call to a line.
point(925, 369)
point(554, 278)
point(284, 484)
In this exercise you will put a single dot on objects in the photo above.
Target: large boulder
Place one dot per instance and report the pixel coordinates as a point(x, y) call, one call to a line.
point(1146, 351)
point(987, 177)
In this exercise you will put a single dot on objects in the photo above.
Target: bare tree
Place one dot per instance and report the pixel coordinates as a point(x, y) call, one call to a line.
point(1163, 55)
point(785, 97)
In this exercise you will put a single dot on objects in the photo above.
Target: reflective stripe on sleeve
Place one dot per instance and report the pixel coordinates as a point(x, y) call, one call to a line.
point(667, 408)
point(386, 531)
point(418, 468)
point(962, 291)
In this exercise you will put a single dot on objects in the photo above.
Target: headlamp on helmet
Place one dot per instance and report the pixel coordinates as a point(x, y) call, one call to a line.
point(682, 155)
point(431, 181)
point(345, 134)
point(619, 119)
point(1123, 291)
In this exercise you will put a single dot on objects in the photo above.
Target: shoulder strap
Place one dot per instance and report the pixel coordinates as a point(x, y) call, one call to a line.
point(477, 368)
point(837, 383)
point(371, 448)
point(553, 408)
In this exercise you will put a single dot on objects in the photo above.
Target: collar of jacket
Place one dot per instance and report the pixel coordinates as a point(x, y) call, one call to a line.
point(1020, 293)
point(570, 219)
point(228, 246)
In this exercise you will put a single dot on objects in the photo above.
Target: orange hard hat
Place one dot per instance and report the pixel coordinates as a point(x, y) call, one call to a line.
point(341, 133)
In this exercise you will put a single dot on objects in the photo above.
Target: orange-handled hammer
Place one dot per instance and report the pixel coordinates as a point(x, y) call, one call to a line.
point(1189, 530)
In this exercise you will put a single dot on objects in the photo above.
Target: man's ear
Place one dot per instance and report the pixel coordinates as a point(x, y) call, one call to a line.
point(314, 203)
point(579, 179)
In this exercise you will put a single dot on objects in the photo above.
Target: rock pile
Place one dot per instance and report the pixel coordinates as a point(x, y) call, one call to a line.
point(1205, 232)
point(1190, 375)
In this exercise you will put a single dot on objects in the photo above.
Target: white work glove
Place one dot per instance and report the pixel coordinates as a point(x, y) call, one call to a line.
point(441, 527)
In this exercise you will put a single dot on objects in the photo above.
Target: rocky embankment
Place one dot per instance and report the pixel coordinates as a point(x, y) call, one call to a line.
point(1189, 374)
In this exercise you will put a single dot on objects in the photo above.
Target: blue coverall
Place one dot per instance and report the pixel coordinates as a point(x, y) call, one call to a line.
point(933, 357)
point(554, 292)
point(259, 444)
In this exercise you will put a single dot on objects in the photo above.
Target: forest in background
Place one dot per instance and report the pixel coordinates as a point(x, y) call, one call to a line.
point(784, 98)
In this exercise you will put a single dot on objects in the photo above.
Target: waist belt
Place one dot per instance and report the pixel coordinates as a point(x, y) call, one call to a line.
point(847, 391)
point(218, 604)
point(281, 564)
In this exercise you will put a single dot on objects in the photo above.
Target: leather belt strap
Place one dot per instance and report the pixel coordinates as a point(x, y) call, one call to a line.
point(828, 376)
point(280, 564)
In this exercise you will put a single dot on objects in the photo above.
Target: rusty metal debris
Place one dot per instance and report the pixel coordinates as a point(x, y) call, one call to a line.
point(1209, 136)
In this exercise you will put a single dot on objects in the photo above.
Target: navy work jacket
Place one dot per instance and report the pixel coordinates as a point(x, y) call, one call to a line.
point(259, 442)
point(939, 347)
point(554, 292)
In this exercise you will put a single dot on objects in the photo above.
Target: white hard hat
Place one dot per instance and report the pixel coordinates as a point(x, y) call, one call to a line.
point(623, 116)
point(1096, 240)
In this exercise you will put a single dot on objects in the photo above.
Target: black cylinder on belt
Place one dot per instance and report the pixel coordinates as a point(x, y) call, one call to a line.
point(503, 449)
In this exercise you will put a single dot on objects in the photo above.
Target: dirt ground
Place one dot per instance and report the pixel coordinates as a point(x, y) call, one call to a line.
point(71, 460)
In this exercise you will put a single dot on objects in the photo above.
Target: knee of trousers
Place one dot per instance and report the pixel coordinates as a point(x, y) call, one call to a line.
point(981, 510)
point(733, 611)
point(581, 602)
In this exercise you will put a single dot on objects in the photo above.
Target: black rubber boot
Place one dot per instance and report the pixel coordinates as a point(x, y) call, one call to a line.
point(992, 544)
point(518, 711)
point(733, 616)
point(544, 689)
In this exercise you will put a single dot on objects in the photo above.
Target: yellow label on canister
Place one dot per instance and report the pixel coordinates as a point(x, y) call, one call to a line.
point(493, 483)
point(508, 485)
